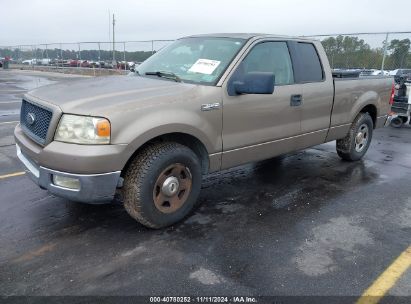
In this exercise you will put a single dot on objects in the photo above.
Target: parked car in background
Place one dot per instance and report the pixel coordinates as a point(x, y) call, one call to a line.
point(84, 64)
point(399, 72)
point(74, 63)
point(44, 61)
point(367, 72)
point(378, 72)
point(364, 72)
point(103, 64)
point(94, 64)
point(124, 65)
point(108, 65)
point(29, 61)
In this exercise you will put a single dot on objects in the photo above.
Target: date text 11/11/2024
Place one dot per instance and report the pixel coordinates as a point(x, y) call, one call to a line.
point(235, 299)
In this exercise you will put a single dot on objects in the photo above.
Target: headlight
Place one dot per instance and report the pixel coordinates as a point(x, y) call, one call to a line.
point(83, 130)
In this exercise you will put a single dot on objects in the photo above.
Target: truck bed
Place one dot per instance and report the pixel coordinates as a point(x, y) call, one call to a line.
point(352, 94)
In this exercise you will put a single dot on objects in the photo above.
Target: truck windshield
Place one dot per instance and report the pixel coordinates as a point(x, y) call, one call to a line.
point(195, 60)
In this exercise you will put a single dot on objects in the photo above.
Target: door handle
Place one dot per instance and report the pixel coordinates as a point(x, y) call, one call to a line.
point(296, 100)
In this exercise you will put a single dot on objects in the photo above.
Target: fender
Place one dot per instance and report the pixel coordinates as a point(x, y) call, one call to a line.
point(342, 116)
point(187, 122)
point(366, 99)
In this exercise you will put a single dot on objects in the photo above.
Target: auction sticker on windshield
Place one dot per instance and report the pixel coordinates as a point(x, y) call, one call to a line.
point(204, 66)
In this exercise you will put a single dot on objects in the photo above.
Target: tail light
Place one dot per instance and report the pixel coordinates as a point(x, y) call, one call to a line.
point(392, 94)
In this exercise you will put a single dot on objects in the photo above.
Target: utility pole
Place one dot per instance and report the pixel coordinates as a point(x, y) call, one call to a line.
point(384, 54)
point(109, 28)
point(114, 48)
point(109, 32)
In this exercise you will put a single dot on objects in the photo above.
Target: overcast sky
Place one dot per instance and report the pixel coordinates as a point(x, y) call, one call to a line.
point(45, 21)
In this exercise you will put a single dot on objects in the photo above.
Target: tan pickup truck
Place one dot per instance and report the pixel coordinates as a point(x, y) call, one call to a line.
point(204, 103)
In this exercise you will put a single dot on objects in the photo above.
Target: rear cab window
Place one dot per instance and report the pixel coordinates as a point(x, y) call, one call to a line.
point(307, 63)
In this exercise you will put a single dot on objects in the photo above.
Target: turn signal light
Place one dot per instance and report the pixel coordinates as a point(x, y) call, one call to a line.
point(103, 128)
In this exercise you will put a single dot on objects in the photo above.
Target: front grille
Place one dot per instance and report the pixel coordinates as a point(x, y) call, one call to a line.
point(35, 121)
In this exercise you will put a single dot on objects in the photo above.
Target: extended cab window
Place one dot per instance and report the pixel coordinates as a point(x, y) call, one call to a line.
point(270, 57)
point(311, 69)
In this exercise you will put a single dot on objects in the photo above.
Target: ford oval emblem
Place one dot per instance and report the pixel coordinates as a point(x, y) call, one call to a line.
point(30, 118)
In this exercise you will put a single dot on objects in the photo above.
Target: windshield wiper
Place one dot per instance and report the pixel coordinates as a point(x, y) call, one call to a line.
point(169, 75)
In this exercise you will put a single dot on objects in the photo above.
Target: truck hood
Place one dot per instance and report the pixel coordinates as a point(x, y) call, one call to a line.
point(101, 96)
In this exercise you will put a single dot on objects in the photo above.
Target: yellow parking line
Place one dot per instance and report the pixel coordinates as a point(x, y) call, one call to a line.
point(12, 175)
point(387, 279)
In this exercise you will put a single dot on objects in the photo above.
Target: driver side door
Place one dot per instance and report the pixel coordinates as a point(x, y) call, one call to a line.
point(260, 126)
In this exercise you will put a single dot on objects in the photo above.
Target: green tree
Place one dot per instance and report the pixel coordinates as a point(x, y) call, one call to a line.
point(348, 52)
point(400, 51)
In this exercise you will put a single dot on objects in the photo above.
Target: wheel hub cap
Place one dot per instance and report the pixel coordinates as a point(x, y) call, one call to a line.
point(170, 186)
point(361, 139)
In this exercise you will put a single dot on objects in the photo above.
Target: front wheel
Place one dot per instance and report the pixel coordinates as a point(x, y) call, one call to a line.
point(162, 184)
point(356, 143)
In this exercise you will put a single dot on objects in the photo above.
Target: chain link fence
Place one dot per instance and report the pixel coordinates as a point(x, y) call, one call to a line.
point(373, 53)
point(122, 55)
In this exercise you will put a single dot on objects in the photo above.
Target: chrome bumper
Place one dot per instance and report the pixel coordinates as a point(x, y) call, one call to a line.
point(94, 188)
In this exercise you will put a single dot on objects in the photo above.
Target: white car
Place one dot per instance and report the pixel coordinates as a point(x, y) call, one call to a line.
point(45, 61)
point(378, 72)
point(29, 61)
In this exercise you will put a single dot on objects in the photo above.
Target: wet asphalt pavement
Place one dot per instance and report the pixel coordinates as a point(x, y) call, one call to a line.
point(302, 224)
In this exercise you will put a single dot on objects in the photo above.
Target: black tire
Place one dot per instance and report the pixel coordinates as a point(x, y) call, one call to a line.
point(142, 177)
point(350, 148)
point(396, 122)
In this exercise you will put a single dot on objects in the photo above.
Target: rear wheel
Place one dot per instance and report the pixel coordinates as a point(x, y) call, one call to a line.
point(162, 184)
point(353, 146)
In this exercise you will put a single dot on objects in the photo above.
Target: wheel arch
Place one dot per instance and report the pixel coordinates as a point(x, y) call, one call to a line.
point(186, 139)
point(372, 110)
point(367, 102)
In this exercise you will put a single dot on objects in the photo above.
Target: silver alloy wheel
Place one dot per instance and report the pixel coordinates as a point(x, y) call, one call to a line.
point(361, 139)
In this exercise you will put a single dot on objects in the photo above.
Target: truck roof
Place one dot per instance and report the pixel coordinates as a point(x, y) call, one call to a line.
point(248, 36)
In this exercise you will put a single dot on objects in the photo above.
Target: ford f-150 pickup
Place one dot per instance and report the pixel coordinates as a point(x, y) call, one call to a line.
point(204, 103)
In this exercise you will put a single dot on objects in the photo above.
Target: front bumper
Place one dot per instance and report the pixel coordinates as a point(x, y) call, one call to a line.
point(93, 188)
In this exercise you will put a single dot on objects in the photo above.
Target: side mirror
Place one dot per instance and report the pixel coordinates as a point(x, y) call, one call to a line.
point(254, 83)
